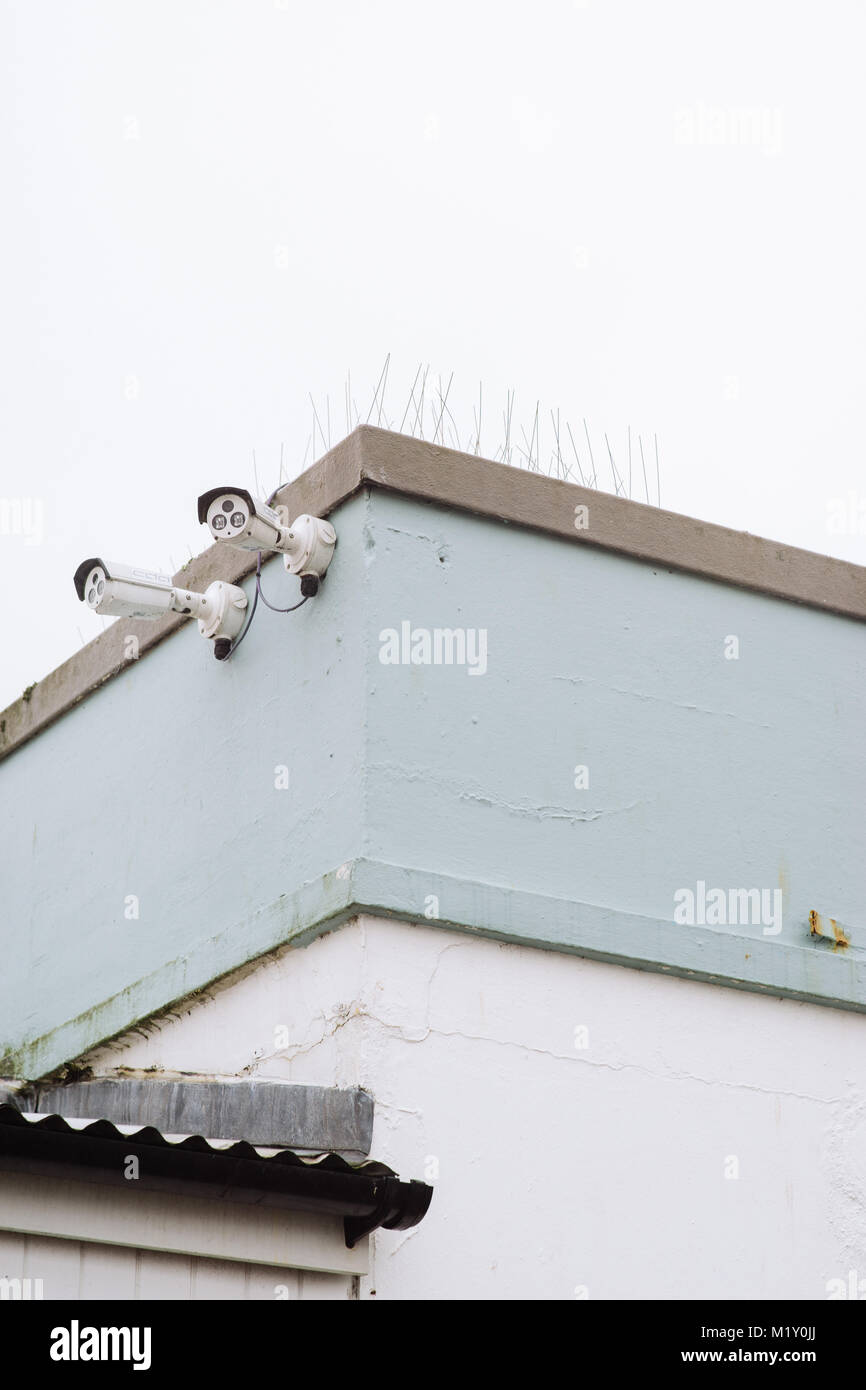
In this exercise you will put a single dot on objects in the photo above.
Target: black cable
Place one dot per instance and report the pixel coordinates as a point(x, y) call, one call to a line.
point(247, 625)
point(260, 595)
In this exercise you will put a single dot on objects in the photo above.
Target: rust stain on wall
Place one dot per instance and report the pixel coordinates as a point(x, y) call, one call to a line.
point(816, 928)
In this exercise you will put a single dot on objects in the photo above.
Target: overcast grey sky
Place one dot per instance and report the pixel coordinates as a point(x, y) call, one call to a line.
point(647, 214)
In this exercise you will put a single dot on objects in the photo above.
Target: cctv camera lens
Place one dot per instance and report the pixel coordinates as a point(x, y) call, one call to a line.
point(227, 506)
point(219, 522)
point(238, 519)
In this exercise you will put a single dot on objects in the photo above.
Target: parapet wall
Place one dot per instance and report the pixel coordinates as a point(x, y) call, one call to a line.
point(517, 707)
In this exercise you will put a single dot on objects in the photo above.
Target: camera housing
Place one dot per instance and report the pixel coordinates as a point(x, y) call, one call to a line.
point(123, 591)
point(235, 517)
point(128, 591)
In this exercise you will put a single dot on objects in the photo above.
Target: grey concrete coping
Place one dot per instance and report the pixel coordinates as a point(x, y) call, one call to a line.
point(269, 1113)
point(371, 457)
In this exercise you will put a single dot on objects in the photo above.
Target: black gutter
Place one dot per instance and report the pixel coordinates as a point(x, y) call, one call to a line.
point(366, 1195)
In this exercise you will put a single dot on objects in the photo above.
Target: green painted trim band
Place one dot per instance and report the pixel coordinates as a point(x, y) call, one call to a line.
point(811, 972)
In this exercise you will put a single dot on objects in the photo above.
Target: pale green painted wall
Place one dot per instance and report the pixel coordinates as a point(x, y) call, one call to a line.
point(410, 782)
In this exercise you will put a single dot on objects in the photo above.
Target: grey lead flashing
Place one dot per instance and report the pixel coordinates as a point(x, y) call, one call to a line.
point(371, 457)
point(269, 1113)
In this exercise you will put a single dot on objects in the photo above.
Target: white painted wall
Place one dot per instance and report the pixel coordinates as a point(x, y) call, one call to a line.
point(562, 1170)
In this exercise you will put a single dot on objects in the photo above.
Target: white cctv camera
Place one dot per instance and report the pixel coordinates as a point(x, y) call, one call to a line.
point(237, 518)
point(124, 591)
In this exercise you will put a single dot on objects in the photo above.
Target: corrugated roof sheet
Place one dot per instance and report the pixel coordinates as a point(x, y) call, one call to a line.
point(194, 1143)
point(366, 1195)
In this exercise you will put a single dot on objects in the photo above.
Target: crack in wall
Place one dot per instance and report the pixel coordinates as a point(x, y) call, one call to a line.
point(528, 809)
point(663, 700)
